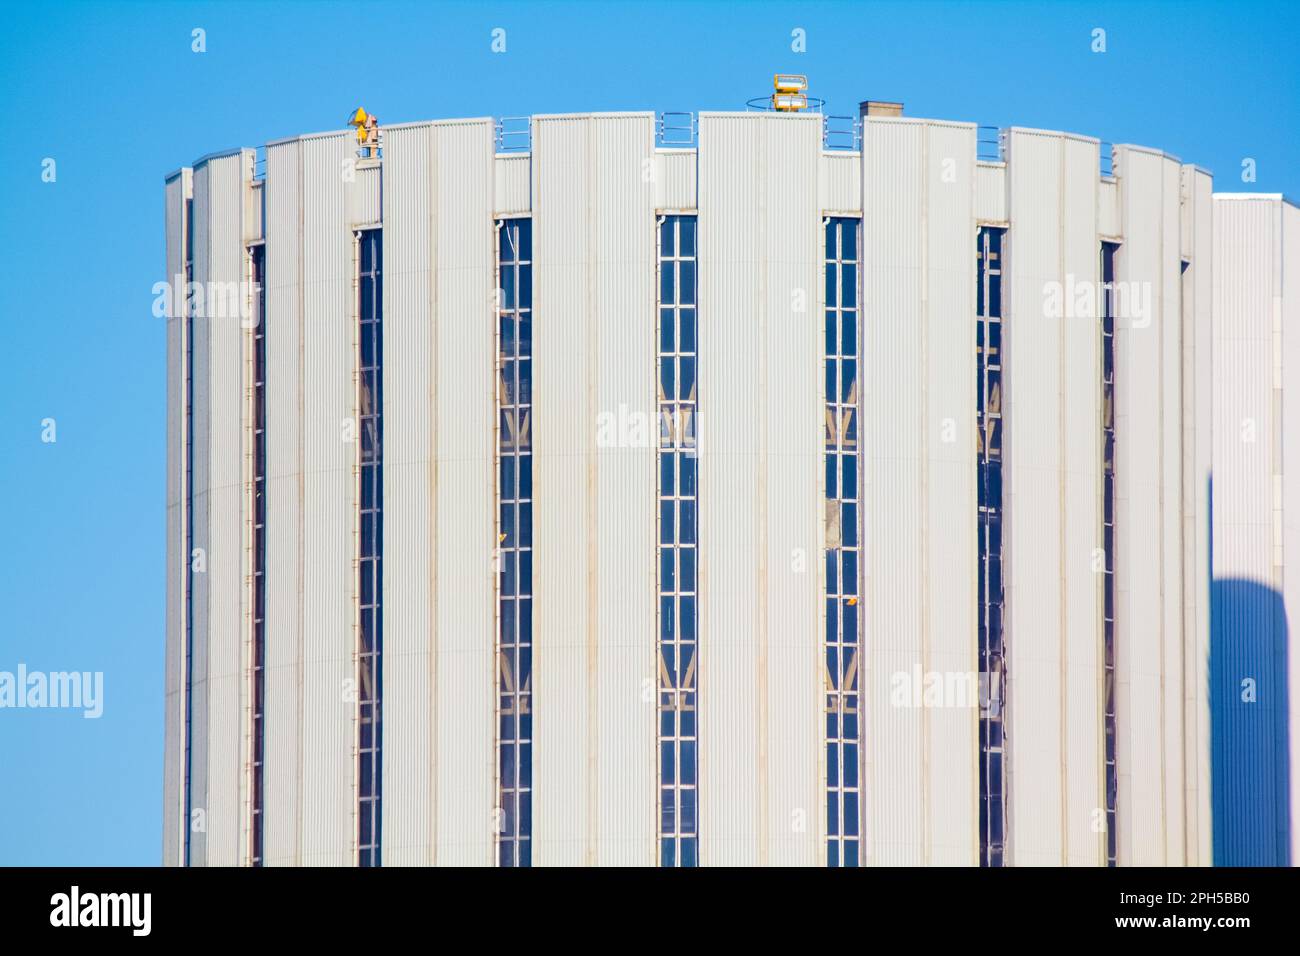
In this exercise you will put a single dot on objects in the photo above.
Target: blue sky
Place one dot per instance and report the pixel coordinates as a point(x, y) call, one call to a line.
point(113, 93)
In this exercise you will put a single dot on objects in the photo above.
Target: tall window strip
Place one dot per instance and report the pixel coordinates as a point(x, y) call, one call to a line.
point(678, 541)
point(189, 524)
point(842, 637)
point(514, 542)
point(988, 443)
point(1108, 250)
point(257, 255)
point(371, 631)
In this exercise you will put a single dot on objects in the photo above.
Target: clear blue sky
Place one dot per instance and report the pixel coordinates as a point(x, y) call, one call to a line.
point(114, 94)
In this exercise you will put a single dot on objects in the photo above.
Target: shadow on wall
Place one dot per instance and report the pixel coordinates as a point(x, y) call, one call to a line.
point(1250, 761)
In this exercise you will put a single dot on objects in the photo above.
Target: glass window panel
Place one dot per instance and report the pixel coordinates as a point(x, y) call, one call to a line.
point(687, 230)
point(686, 282)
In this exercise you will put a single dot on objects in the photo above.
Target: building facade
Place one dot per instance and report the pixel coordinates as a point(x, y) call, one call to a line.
point(737, 502)
point(1255, 667)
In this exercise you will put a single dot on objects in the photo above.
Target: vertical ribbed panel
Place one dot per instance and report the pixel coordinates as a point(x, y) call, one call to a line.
point(839, 181)
point(254, 207)
point(1108, 218)
point(675, 173)
point(732, 584)
point(949, 491)
point(622, 298)
point(918, 358)
point(217, 757)
point(991, 192)
point(464, 483)
point(1255, 313)
point(200, 437)
point(409, 599)
point(1083, 613)
point(285, 522)
point(1148, 462)
point(594, 571)
point(330, 508)
point(1052, 419)
point(438, 504)
point(792, 664)
point(893, 334)
point(177, 190)
point(1290, 503)
point(760, 666)
point(364, 193)
point(513, 184)
point(1198, 416)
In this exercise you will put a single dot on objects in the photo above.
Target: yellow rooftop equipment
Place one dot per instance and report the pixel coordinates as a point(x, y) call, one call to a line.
point(790, 95)
point(358, 118)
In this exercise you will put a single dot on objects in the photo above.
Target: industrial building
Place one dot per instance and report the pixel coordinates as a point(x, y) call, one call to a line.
point(718, 489)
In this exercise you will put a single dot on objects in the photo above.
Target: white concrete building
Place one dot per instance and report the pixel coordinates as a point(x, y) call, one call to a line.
point(856, 511)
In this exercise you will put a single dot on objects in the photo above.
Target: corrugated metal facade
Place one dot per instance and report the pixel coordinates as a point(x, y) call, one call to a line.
point(1198, 450)
point(1149, 458)
point(594, 759)
point(760, 490)
point(219, 685)
point(439, 482)
point(918, 342)
point(1256, 531)
point(1052, 422)
point(179, 188)
point(761, 184)
point(285, 401)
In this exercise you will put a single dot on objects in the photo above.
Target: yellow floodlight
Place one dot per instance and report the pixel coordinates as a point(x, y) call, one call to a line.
point(790, 83)
point(789, 102)
point(359, 118)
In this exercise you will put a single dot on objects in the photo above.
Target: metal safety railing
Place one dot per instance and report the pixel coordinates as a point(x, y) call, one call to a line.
point(1107, 159)
point(259, 163)
point(989, 144)
point(514, 134)
point(676, 129)
point(841, 132)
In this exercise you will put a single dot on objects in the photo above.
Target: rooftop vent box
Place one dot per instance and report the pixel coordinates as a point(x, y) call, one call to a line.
point(879, 108)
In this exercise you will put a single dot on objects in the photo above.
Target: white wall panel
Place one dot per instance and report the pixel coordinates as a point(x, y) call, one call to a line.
point(1288, 298)
point(512, 175)
point(177, 190)
point(283, 787)
point(438, 511)
point(410, 636)
point(675, 172)
point(991, 192)
point(1149, 515)
point(1108, 217)
point(1256, 531)
point(219, 265)
point(920, 508)
point(594, 566)
point(792, 410)
point(464, 396)
point(329, 502)
point(732, 580)
point(1198, 415)
point(839, 181)
point(1052, 421)
point(761, 406)
point(364, 193)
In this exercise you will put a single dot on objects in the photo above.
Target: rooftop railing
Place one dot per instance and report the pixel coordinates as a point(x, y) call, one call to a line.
point(841, 132)
point(989, 144)
point(514, 134)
